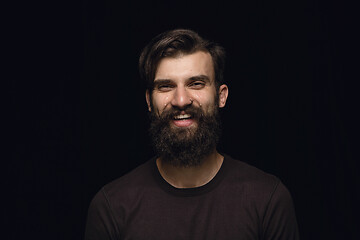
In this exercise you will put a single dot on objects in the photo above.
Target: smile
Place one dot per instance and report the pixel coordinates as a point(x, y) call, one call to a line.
point(183, 120)
point(182, 117)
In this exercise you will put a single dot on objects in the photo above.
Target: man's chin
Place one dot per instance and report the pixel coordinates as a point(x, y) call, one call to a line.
point(185, 142)
point(182, 134)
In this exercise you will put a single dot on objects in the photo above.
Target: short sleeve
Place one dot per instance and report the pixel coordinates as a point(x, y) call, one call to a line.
point(101, 224)
point(280, 219)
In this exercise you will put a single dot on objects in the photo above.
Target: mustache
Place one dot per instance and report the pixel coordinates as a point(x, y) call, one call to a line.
point(194, 112)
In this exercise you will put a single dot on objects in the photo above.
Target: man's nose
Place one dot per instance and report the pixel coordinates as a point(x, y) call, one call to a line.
point(181, 98)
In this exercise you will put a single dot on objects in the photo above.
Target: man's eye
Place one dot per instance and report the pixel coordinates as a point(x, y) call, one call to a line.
point(164, 87)
point(197, 84)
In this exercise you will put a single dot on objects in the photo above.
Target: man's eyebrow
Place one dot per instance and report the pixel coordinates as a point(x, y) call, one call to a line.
point(158, 82)
point(162, 80)
point(200, 78)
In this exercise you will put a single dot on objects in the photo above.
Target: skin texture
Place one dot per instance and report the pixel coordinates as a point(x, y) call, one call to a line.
point(180, 82)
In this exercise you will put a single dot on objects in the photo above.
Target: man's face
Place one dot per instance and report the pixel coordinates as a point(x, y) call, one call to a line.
point(187, 80)
point(184, 107)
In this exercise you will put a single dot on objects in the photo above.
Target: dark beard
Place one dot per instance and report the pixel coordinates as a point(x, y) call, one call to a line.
point(185, 147)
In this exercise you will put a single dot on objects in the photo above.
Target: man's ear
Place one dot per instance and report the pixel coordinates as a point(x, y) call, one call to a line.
point(223, 94)
point(147, 96)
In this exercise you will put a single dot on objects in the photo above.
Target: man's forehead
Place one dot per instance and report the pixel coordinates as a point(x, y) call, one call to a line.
point(195, 65)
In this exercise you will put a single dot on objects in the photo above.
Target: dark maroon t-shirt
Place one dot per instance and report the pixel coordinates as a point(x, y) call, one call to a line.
point(240, 202)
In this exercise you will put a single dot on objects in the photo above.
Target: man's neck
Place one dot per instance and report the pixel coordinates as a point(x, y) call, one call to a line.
point(190, 177)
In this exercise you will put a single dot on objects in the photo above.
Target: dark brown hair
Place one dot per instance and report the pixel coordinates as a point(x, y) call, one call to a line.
point(175, 42)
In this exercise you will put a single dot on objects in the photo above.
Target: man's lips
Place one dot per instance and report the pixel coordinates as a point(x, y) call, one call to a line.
point(182, 116)
point(183, 120)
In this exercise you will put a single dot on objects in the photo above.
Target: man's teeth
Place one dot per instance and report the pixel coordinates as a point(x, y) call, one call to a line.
point(182, 116)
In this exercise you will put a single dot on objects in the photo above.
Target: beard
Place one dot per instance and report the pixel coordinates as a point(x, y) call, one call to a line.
point(188, 146)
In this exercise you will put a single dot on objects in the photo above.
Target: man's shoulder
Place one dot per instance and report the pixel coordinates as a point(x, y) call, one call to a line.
point(131, 183)
point(249, 175)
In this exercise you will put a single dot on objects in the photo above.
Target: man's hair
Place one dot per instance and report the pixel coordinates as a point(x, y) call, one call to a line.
point(174, 43)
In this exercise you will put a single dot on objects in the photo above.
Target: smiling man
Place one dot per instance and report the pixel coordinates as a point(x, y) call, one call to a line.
point(184, 104)
point(189, 190)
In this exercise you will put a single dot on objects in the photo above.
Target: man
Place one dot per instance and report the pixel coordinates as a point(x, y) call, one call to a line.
point(189, 190)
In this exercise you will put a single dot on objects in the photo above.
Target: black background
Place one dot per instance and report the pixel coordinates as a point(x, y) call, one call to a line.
point(79, 118)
